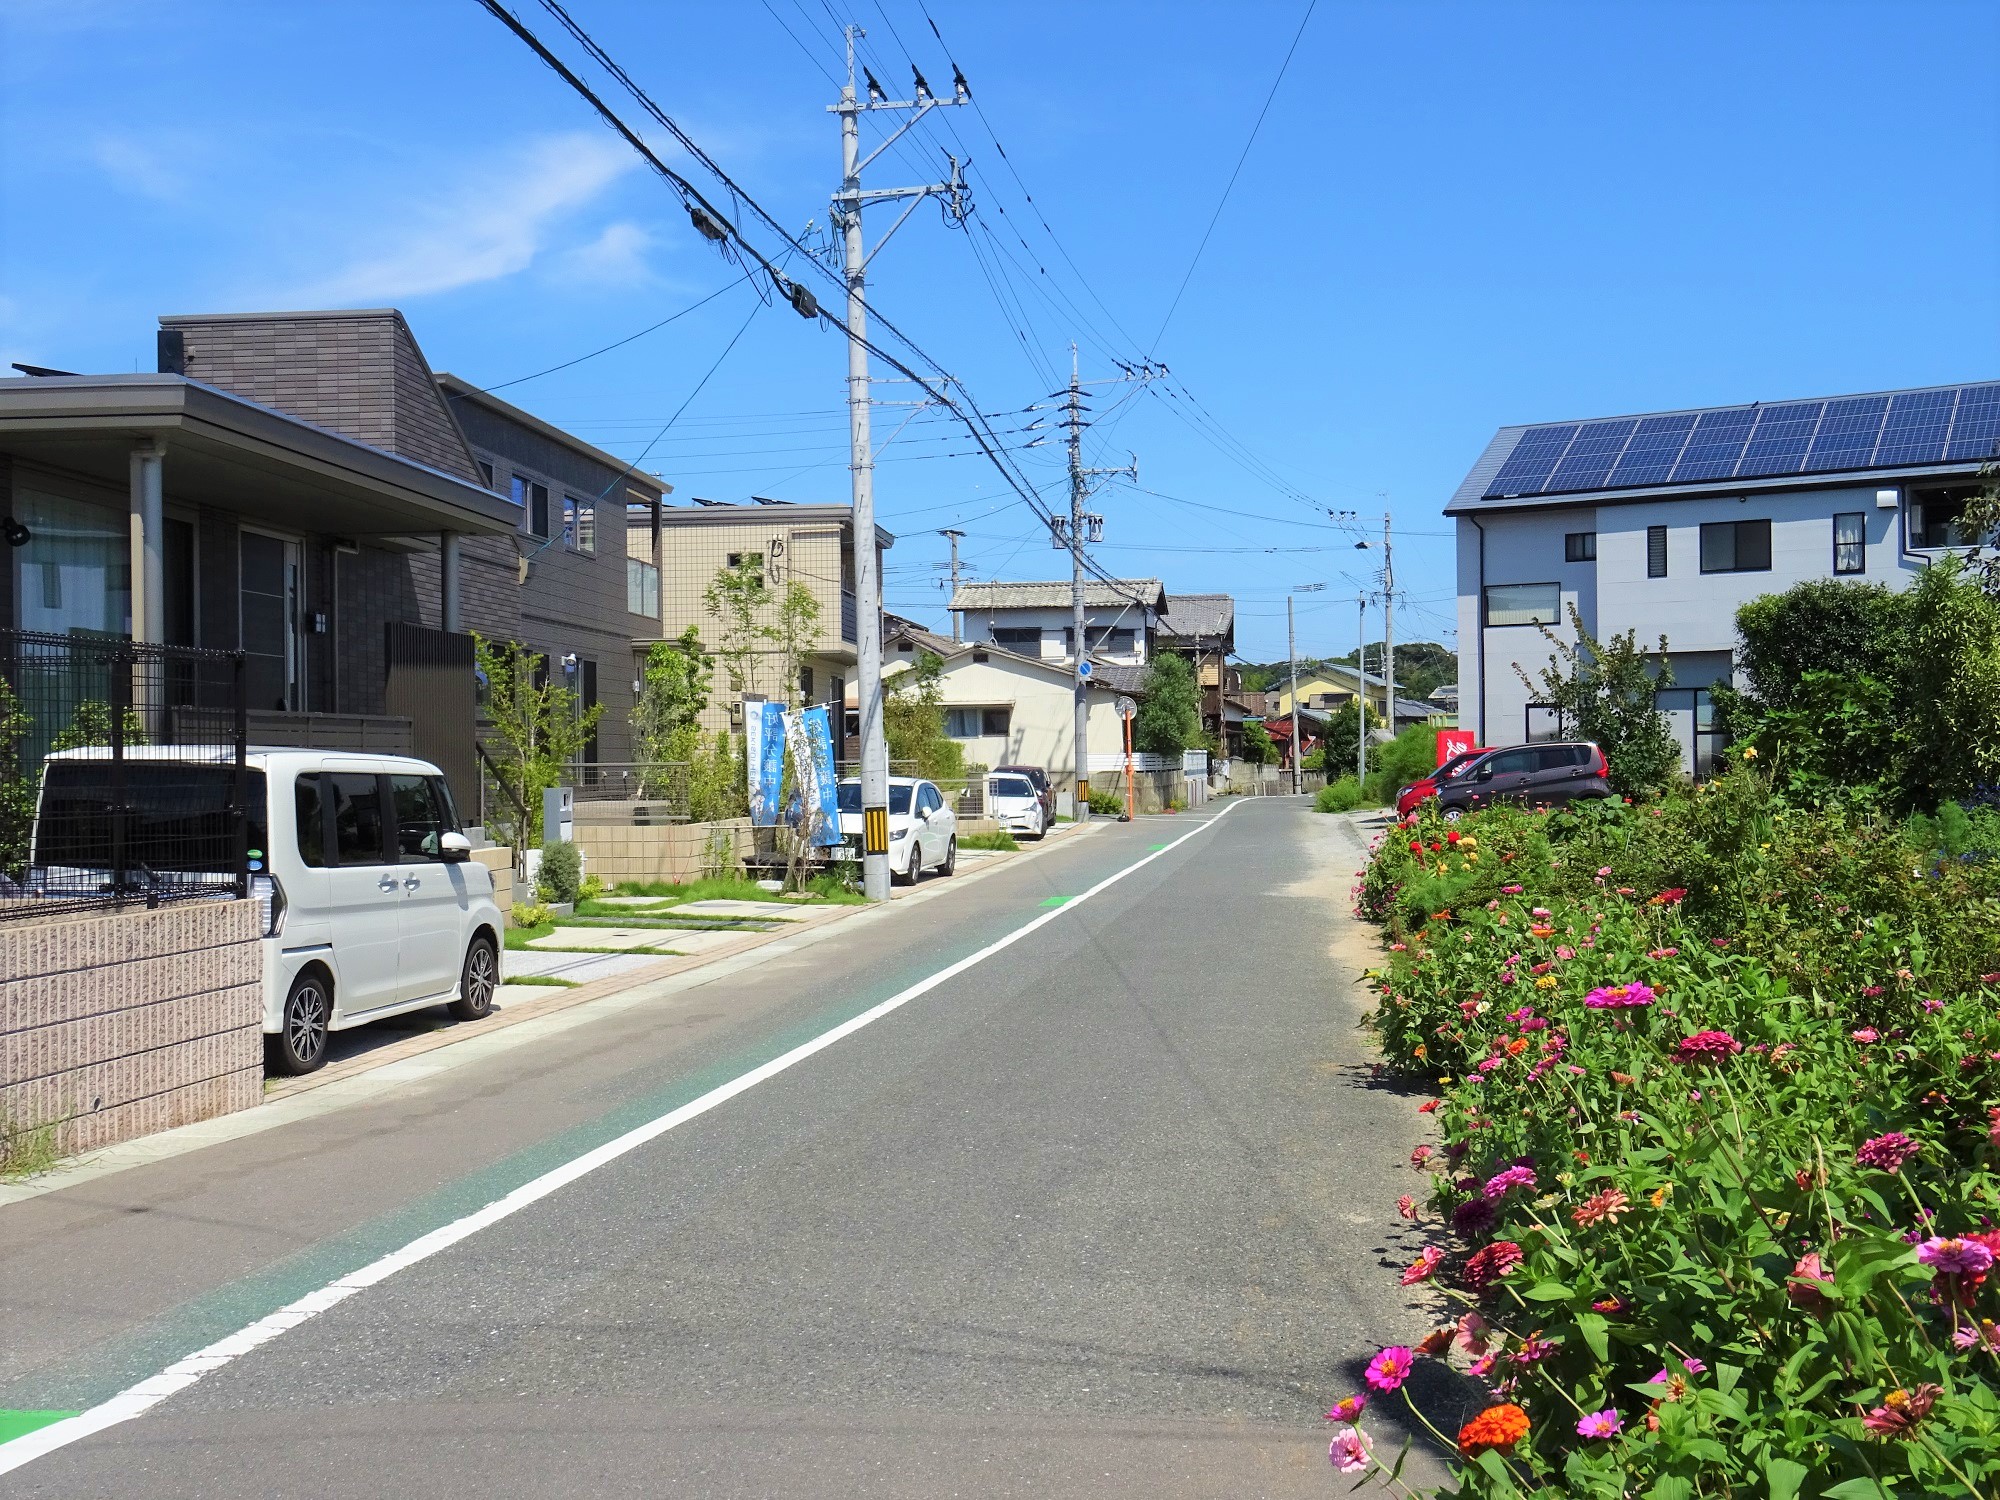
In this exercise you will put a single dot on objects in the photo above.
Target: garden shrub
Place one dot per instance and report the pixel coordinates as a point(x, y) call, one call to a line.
point(1718, 1085)
point(561, 874)
point(1339, 796)
point(1393, 766)
point(1106, 803)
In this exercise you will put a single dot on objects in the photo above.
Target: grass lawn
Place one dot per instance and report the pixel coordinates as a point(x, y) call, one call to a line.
point(823, 888)
point(548, 980)
point(1001, 840)
point(518, 939)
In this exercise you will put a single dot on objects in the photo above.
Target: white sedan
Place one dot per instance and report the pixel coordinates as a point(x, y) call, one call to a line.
point(923, 830)
point(1013, 803)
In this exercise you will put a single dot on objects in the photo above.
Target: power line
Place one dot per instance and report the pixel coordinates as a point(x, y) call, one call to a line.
point(1228, 187)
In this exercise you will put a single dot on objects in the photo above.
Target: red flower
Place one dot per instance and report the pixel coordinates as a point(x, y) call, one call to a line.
point(1452, 837)
point(1670, 897)
point(1491, 1262)
point(1707, 1047)
point(1803, 1289)
point(1429, 1106)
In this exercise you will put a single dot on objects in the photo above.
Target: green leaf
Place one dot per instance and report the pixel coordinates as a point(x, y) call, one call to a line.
point(1784, 1477)
point(1548, 1291)
point(1592, 1326)
point(1671, 1487)
point(1858, 1489)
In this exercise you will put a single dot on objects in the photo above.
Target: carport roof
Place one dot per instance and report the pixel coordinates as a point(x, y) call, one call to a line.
point(239, 455)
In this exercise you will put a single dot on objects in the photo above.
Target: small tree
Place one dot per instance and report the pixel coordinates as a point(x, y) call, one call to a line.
point(913, 717)
point(1953, 698)
point(17, 784)
point(673, 690)
point(539, 728)
point(1169, 717)
point(1257, 747)
point(1604, 691)
point(735, 600)
point(793, 633)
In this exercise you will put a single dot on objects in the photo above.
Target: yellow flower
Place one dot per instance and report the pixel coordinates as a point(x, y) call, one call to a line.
point(1749, 752)
point(1546, 982)
point(1660, 1194)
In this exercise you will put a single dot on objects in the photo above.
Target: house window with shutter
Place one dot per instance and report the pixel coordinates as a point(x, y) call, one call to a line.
point(1656, 552)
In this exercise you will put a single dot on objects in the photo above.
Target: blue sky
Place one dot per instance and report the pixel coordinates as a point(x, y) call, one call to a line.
point(1456, 216)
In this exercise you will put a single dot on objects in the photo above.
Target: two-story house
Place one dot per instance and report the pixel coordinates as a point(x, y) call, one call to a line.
point(1203, 629)
point(1666, 523)
point(585, 554)
point(1120, 619)
point(785, 543)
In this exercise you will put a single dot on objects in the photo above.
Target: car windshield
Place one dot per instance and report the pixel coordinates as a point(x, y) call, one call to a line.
point(850, 799)
point(1012, 786)
point(1458, 765)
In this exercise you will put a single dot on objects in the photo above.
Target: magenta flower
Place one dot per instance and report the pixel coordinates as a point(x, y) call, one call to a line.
point(1619, 997)
point(1349, 1450)
point(1389, 1369)
point(1886, 1153)
point(1600, 1424)
point(1502, 1183)
point(1424, 1267)
point(1707, 1047)
point(1984, 1336)
point(1348, 1408)
point(1955, 1257)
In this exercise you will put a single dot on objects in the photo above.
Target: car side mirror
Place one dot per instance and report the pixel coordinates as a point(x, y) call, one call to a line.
point(454, 848)
point(1484, 773)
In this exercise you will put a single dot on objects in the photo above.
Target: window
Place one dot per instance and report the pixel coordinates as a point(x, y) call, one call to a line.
point(1560, 757)
point(1736, 547)
point(751, 562)
point(1510, 763)
point(1028, 642)
point(1544, 723)
point(848, 794)
point(1935, 515)
point(928, 800)
point(357, 819)
point(1523, 603)
point(975, 723)
point(1656, 552)
point(312, 822)
point(534, 502)
point(1850, 543)
point(1580, 546)
point(1011, 786)
point(642, 588)
point(418, 826)
point(579, 525)
point(181, 818)
point(1113, 640)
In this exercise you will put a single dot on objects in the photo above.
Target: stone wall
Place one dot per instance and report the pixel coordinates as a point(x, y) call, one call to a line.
point(118, 1025)
point(671, 853)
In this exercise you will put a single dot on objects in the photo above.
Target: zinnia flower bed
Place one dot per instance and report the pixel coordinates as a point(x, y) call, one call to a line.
point(1714, 1188)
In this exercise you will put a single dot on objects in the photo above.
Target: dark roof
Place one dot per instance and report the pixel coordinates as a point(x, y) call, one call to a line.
point(1123, 676)
point(973, 597)
point(1209, 616)
point(1886, 433)
point(895, 627)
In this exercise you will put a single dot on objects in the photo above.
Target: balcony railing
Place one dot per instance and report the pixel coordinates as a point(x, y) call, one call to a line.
point(850, 617)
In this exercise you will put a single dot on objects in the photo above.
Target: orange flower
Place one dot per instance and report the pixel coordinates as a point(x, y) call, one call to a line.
point(1541, 932)
point(1516, 1047)
point(1496, 1427)
point(1436, 1343)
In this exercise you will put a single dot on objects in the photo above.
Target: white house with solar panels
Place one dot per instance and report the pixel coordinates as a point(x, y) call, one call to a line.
point(1665, 523)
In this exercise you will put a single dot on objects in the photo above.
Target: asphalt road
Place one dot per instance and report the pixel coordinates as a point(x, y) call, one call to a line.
point(1110, 1212)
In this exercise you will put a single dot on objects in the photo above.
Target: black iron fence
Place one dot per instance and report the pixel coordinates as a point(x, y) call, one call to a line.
point(123, 774)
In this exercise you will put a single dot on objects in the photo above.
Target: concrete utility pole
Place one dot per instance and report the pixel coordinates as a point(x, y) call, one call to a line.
point(1388, 628)
point(1080, 528)
point(1292, 656)
point(955, 622)
point(847, 206)
point(1361, 686)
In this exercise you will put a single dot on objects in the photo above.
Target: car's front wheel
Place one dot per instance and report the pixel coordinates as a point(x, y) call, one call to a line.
point(478, 980)
point(300, 1045)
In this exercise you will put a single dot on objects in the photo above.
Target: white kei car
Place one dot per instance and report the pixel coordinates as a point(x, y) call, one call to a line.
point(923, 830)
point(371, 901)
point(1012, 802)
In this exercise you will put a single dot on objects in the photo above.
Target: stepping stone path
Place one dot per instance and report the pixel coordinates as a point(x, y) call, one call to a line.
point(580, 967)
point(764, 911)
point(670, 939)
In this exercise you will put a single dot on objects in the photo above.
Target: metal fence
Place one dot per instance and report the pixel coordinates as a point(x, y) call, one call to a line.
point(123, 775)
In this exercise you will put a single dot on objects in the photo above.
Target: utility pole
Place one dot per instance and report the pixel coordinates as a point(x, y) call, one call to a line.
point(1388, 627)
point(847, 206)
point(954, 535)
point(1292, 655)
point(1361, 685)
point(1080, 527)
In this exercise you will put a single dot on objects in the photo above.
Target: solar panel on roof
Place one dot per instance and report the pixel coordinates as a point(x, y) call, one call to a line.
point(1948, 424)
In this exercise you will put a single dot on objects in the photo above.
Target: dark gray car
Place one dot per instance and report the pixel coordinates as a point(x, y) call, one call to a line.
point(1539, 775)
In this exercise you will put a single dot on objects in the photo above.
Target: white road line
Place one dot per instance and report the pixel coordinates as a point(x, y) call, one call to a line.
point(138, 1399)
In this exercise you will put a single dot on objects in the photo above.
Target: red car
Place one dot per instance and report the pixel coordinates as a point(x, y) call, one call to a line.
point(1425, 787)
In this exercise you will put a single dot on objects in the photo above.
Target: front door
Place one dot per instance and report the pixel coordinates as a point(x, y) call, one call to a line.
point(433, 892)
point(271, 602)
point(364, 896)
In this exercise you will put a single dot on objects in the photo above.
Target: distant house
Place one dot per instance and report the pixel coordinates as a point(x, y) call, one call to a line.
point(1005, 708)
point(808, 544)
point(1665, 523)
point(583, 512)
point(1202, 627)
point(1121, 619)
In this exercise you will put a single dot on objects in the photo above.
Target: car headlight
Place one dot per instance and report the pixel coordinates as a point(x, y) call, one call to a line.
point(900, 833)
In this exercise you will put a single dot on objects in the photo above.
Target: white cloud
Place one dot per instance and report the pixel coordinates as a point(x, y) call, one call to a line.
point(494, 224)
point(616, 257)
point(152, 171)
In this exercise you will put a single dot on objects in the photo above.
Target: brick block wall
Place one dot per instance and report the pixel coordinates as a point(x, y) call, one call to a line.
point(672, 853)
point(121, 1025)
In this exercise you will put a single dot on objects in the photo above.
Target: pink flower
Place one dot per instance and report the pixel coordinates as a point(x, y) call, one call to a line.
point(1406, 1206)
point(1389, 1369)
point(1984, 1336)
point(1619, 997)
point(1491, 1262)
point(1424, 1266)
point(1866, 1035)
point(1419, 1156)
point(1952, 1257)
point(1515, 890)
point(1539, 911)
point(1348, 1408)
point(1472, 1334)
point(1600, 1424)
point(1349, 1450)
point(1502, 1183)
point(1707, 1047)
point(1901, 1411)
point(1664, 953)
point(1482, 1366)
point(1534, 1351)
point(1886, 1153)
point(1604, 869)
